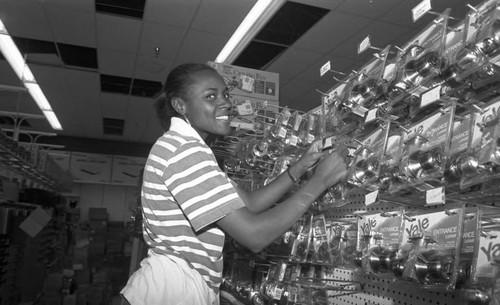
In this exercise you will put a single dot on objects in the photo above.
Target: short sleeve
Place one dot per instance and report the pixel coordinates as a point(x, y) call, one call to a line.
point(202, 190)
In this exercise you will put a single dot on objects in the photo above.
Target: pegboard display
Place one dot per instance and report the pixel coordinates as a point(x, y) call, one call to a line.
point(380, 291)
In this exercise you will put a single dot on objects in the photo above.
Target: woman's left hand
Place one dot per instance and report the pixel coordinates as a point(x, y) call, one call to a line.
point(308, 160)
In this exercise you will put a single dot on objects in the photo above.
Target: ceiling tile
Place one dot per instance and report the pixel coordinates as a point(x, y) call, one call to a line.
point(294, 88)
point(25, 19)
point(114, 105)
point(293, 62)
point(140, 112)
point(72, 26)
point(81, 5)
point(338, 63)
point(171, 12)
point(306, 100)
point(8, 77)
point(367, 8)
point(331, 31)
point(210, 44)
point(152, 68)
point(381, 35)
point(328, 4)
point(167, 38)
point(114, 62)
point(208, 15)
point(117, 33)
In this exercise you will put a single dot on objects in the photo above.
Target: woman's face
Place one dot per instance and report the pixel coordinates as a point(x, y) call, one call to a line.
point(207, 104)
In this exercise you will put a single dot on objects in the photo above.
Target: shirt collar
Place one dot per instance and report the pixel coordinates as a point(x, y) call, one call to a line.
point(180, 126)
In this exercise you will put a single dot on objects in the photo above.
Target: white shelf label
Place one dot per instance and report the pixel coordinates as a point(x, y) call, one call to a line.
point(247, 83)
point(435, 196)
point(360, 111)
point(430, 96)
point(371, 198)
point(245, 108)
point(364, 44)
point(325, 68)
point(371, 115)
point(421, 9)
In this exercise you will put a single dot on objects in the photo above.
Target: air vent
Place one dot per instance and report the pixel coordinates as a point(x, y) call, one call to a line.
point(115, 84)
point(146, 88)
point(257, 54)
point(113, 127)
point(78, 56)
point(126, 8)
point(28, 45)
point(287, 25)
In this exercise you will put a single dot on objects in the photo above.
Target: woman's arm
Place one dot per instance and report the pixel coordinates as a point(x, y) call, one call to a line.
point(256, 231)
point(263, 198)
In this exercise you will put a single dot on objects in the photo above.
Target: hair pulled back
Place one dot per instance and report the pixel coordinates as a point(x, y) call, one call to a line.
point(176, 85)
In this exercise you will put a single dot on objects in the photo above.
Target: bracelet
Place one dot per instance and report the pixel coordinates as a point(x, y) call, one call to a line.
point(294, 180)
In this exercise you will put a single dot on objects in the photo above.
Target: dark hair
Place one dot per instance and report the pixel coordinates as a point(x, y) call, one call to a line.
point(176, 85)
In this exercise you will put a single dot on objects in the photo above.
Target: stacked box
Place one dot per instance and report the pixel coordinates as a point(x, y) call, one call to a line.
point(52, 289)
point(115, 237)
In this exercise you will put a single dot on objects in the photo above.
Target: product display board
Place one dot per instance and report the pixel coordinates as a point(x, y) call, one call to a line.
point(417, 219)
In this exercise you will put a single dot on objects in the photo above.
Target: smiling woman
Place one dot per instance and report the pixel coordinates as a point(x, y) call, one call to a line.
point(189, 203)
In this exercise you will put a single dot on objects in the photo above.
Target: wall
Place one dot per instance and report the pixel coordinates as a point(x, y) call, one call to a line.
point(120, 201)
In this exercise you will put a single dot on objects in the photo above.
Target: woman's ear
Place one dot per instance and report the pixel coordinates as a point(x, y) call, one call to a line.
point(178, 105)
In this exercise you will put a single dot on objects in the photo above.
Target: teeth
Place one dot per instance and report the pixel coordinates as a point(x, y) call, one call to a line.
point(222, 117)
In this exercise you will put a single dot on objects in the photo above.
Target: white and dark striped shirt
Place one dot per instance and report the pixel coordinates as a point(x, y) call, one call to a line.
point(184, 192)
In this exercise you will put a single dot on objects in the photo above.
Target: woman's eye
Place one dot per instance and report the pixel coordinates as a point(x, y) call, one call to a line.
point(227, 96)
point(211, 96)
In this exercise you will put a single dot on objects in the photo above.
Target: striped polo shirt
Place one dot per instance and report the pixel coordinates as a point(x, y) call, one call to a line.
point(184, 192)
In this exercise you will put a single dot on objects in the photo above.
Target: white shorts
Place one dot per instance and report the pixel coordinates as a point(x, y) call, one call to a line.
point(165, 280)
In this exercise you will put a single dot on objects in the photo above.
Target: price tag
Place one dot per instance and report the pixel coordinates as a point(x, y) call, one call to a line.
point(293, 140)
point(245, 108)
point(421, 9)
point(364, 45)
point(359, 110)
point(247, 83)
point(371, 115)
point(325, 68)
point(328, 143)
point(371, 198)
point(282, 132)
point(277, 293)
point(430, 96)
point(435, 196)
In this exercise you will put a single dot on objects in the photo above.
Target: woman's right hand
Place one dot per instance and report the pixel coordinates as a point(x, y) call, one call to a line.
point(330, 170)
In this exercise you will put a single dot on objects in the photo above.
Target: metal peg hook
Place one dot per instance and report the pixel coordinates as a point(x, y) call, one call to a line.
point(472, 8)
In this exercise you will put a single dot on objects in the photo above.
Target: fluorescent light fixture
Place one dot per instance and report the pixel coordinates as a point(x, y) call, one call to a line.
point(38, 96)
point(52, 118)
point(260, 13)
point(16, 61)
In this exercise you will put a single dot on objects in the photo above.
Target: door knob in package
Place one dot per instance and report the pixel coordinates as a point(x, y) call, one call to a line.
point(431, 267)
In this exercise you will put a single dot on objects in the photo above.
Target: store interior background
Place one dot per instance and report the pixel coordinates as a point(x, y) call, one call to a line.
point(101, 62)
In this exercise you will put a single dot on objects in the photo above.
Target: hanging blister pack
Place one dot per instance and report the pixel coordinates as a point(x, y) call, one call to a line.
point(470, 240)
point(321, 246)
point(335, 231)
point(387, 231)
point(349, 244)
point(301, 244)
point(484, 146)
point(391, 179)
point(419, 63)
point(461, 161)
point(436, 238)
point(426, 150)
point(486, 270)
point(365, 166)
